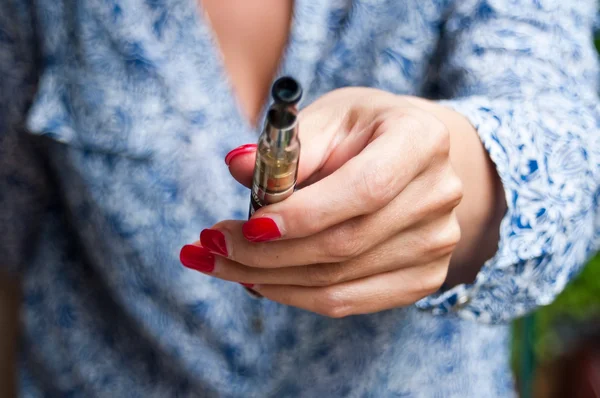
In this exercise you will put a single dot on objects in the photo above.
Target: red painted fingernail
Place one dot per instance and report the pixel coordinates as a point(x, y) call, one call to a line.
point(197, 258)
point(239, 151)
point(248, 285)
point(214, 241)
point(261, 229)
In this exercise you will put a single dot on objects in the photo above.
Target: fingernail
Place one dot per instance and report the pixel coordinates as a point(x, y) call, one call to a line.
point(239, 151)
point(214, 241)
point(261, 229)
point(198, 258)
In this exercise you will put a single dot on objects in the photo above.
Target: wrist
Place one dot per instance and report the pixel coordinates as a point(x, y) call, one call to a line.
point(483, 205)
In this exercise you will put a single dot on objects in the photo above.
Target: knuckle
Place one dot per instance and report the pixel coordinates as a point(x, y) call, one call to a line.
point(323, 274)
point(332, 304)
point(315, 276)
point(445, 239)
point(447, 193)
point(450, 192)
point(440, 137)
point(454, 231)
point(341, 249)
point(455, 191)
point(376, 185)
point(306, 218)
point(435, 278)
point(392, 120)
point(253, 256)
point(343, 242)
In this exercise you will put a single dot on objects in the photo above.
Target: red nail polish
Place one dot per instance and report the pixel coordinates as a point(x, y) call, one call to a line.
point(248, 285)
point(197, 258)
point(239, 151)
point(214, 241)
point(260, 229)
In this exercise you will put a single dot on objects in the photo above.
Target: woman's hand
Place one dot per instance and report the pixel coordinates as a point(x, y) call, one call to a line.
point(374, 225)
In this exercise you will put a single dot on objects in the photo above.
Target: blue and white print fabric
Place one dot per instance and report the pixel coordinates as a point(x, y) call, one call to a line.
point(115, 116)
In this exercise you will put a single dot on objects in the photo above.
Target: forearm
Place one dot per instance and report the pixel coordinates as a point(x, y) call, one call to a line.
point(483, 205)
point(9, 298)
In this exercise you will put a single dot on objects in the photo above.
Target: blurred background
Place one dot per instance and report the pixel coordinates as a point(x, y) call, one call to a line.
point(556, 350)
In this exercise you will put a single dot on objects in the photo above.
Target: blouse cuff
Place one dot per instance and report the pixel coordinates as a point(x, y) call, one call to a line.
point(520, 276)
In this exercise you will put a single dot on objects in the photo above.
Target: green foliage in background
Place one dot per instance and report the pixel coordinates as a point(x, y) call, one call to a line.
point(580, 300)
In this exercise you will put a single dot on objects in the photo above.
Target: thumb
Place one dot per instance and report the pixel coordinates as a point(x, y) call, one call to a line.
point(241, 163)
point(326, 138)
point(313, 156)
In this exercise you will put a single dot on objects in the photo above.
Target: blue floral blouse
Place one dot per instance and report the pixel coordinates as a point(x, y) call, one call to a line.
point(115, 116)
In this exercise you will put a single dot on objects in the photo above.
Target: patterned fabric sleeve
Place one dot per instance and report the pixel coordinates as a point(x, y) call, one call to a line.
point(23, 185)
point(524, 72)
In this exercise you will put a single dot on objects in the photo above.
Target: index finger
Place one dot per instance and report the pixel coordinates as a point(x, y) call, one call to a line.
point(362, 185)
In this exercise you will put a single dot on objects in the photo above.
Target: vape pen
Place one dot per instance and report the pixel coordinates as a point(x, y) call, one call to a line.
point(278, 148)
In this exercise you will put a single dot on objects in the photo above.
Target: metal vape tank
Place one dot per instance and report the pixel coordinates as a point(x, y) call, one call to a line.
point(278, 150)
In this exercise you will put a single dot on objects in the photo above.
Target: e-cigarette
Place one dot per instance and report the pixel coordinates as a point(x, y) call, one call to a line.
point(278, 150)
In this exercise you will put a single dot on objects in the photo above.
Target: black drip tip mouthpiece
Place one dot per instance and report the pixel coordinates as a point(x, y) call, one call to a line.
point(286, 91)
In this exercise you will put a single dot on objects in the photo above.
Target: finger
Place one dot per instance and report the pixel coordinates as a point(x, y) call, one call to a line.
point(317, 161)
point(421, 244)
point(241, 163)
point(330, 132)
point(363, 185)
point(372, 294)
point(347, 240)
point(315, 148)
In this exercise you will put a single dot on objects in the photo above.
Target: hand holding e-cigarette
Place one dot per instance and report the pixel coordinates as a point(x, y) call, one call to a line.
point(375, 223)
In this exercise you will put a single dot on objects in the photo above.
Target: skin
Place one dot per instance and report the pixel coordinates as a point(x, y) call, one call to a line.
point(399, 196)
point(251, 36)
point(376, 223)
